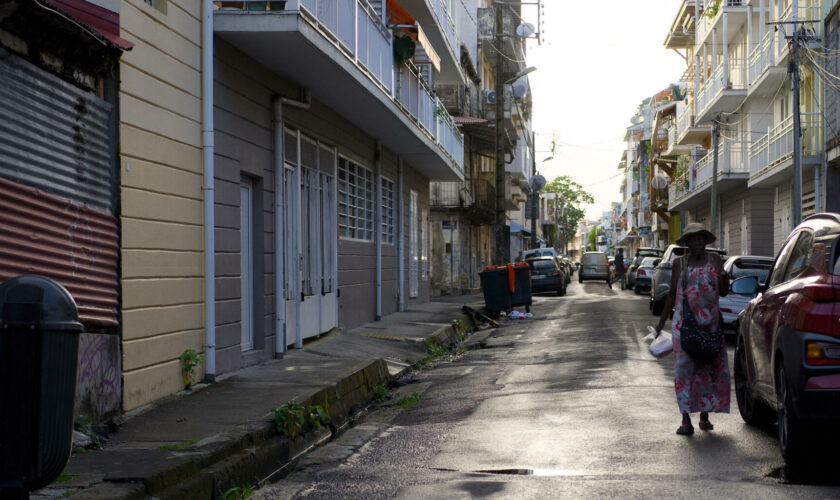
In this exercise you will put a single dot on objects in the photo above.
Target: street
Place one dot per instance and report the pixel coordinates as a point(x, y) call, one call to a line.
point(569, 404)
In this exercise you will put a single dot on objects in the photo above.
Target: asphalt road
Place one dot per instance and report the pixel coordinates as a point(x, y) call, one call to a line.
point(566, 405)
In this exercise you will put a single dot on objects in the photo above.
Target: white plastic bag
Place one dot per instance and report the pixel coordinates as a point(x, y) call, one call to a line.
point(660, 346)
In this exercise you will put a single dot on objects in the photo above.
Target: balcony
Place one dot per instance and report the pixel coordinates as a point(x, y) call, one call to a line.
point(687, 133)
point(733, 169)
point(771, 156)
point(479, 195)
point(736, 13)
point(522, 165)
point(765, 75)
point(723, 91)
point(341, 52)
point(439, 27)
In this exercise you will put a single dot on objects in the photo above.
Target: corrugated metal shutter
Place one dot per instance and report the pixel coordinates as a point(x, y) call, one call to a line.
point(71, 243)
point(54, 136)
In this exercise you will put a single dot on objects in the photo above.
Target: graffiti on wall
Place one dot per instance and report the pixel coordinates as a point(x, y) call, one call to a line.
point(98, 381)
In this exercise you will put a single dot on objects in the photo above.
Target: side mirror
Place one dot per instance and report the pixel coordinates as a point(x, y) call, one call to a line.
point(666, 265)
point(747, 285)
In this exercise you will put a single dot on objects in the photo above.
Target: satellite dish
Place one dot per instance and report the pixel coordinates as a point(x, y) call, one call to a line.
point(537, 182)
point(525, 30)
point(659, 181)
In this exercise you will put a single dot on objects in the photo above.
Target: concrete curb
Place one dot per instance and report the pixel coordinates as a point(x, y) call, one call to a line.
point(254, 452)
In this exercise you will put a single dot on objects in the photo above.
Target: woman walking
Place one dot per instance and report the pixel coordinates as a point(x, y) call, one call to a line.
point(697, 282)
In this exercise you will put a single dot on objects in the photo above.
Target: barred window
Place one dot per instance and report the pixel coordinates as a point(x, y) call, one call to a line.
point(387, 211)
point(355, 201)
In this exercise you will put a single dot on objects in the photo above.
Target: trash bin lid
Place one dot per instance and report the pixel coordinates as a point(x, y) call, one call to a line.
point(39, 301)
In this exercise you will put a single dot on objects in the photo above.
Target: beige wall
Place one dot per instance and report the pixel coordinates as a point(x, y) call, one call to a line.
point(161, 210)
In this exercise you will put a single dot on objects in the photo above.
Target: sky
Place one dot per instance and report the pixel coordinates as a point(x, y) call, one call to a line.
point(599, 60)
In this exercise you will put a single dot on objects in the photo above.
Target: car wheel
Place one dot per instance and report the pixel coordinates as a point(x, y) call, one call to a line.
point(753, 411)
point(580, 279)
point(792, 434)
point(657, 308)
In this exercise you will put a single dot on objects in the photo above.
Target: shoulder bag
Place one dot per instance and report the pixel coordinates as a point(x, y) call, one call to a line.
point(700, 342)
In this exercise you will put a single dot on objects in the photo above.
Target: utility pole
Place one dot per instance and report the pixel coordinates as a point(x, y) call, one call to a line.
point(715, 142)
point(502, 232)
point(796, 199)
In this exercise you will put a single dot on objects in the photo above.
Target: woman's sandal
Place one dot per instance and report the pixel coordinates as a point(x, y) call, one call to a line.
point(685, 430)
point(706, 425)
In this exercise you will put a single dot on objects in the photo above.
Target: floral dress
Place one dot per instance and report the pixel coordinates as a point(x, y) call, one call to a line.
point(700, 387)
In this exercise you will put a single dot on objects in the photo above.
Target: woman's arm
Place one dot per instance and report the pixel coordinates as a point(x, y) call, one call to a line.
point(723, 276)
point(676, 272)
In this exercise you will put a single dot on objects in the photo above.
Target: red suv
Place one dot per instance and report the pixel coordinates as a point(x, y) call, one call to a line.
point(787, 356)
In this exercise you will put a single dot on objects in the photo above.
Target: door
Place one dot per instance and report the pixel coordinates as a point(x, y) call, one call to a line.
point(311, 287)
point(413, 247)
point(246, 263)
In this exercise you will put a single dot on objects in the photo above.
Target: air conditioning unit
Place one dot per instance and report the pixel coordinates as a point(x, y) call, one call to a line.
point(488, 97)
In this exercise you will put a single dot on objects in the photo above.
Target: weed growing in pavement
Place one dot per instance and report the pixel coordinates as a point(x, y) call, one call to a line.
point(189, 360)
point(177, 446)
point(317, 416)
point(237, 493)
point(289, 419)
point(63, 477)
point(409, 401)
point(380, 393)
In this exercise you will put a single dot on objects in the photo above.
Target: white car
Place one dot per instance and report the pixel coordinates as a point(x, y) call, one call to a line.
point(538, 252)
point(739, 266)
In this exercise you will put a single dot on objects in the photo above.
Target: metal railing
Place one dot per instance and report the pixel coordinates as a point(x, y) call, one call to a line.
point(355, 26)
point(446, 23)
point(776, 146)
point(679, 188)
point(684, 121)
point(484, 194)
point(762, 57)
point(445, 194)
point(735, 79)
point(705, 24)
point(731, 160)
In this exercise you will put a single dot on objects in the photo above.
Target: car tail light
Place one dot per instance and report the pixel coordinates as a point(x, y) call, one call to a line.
point(556, 273)
point(822, 353)
point(821, 292)
point(641, 273)
point(725, 309)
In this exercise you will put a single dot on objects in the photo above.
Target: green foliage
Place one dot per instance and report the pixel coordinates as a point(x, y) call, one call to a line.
point(712, 9)
point(434, 350)
point(63, 477)
point(177, 446)
point(237, 493)
point(292, 418)
point(409, 401)
point(189, 360)
point(572, 197)
point(592, 239)
point(380, 393)
point(289, 419)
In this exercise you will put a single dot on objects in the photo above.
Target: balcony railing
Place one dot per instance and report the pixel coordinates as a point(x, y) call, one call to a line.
point(479, 193)
point(762, 57)
point(484, 194)
point(445, 194)
point(735, 79)
point(705, 24)
point(679, 187)
point(358, 30)
point(776, 146)
point(446, 23)
point(731, 160)
point(684, 120)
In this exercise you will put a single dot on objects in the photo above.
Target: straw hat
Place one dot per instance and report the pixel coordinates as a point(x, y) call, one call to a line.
point(696, 228)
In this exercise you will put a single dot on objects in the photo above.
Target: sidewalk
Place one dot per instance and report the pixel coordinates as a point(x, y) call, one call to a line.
point(200, 443)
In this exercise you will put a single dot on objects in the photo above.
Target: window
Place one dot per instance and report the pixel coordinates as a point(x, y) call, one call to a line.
point(387, 211)
point(800, 256)
point(777, 275)
point(157, 4)
point(355, 201)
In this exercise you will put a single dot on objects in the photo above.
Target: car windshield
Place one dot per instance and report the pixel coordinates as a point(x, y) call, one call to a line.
point(542, 265)
point(594, 258)
point(758, 269)
point(649, 252)
point(648, 261)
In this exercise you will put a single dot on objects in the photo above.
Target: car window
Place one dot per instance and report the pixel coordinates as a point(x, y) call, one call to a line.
point(744, 268)
point(676, 253)
point(648, 262)
point(542, 264)
point(836, 256)
point(594, 259)
point(800, 256)
point(777, 275)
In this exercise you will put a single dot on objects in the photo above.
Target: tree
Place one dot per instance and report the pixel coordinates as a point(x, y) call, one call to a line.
point(570, 202)
point(593, 239)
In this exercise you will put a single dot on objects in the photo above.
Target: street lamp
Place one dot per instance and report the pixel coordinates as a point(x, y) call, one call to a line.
point(529, 69)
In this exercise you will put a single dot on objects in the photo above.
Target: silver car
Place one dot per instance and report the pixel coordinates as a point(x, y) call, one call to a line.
point(594, 266)
point(739, 266)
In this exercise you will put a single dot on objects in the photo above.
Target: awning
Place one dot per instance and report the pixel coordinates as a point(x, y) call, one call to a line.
point(399, 17)
point(518, 228)
point(98, 21)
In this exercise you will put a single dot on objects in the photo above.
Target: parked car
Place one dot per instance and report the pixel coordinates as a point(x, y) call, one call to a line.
point(569, 265)
point(660, 283)
point(644, 273)
point(787, 354)
point(547, 275)
point(641, 253)
point(738, 267)
point(594, 266)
